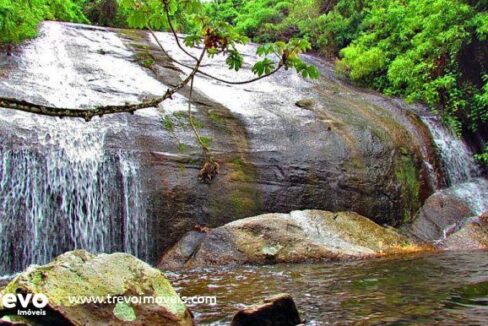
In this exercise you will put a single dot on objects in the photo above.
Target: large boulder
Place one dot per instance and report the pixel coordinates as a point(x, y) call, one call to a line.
point(471, 234)
point(439, 212)
point(282, 143)
point(79, 275)
point(299, 236)
point(447, 208)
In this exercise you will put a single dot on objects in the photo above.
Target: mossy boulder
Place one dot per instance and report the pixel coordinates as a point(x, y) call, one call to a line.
point(79, 274)
point(296, 237)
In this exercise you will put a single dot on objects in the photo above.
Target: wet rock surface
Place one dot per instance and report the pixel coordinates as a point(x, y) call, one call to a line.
point(310, 235)
point(183, 250)
point(472, 234)
point(439, 212)
point(330, 151)
point(282, 143)
point(79, 274)
point(447, 209)
point(279, 310)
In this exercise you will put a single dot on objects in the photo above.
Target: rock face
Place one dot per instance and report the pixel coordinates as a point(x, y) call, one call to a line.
point(447, 208)
point(439, 211)
point(295, 237)
point(79, 274)
point(279, 310)
point(283, 144)
point(470, 235)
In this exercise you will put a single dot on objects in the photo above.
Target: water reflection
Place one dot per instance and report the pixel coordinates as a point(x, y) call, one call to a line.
point(446, 289)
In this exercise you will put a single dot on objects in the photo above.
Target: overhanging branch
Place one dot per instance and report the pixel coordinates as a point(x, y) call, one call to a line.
point(88, 114)
point(203, 73)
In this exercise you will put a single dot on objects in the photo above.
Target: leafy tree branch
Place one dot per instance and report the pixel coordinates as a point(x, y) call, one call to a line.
point(212, 37)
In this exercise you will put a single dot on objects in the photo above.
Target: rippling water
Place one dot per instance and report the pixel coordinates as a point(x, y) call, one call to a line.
point(434, 289)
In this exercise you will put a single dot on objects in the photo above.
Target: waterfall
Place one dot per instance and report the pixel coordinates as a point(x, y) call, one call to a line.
point(463, 174)
point(68, 192)
point(458, 162)
point(66, 184)
point(474, 193)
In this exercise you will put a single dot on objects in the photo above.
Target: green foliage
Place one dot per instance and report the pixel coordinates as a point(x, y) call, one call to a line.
point(151, 13)
point(334, 29)
point(226, 11)
point(263, 67)
point(19, 18)
point(217, 34)
point(411, 49)
point(266, 20)
point(256, 16)
point(234, 60)
point(479, 108)
point(416, 49)
point(63, 10)
point(483, 157)
point(288, 54)
point(105, 13)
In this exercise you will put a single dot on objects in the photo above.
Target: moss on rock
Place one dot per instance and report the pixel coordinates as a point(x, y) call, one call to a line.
point(407, 176)
point(79, 274)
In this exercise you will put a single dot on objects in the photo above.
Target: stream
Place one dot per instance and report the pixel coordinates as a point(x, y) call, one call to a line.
point(427, 289)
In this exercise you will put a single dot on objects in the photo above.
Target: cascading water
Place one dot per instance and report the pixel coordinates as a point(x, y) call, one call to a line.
point(63, 183)
point(458, 162)
point(463, 175)
point(68, 192)
point(474, 193)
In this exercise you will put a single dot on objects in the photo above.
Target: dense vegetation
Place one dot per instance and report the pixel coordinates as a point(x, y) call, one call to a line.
point(19, 18)
point(432, 51)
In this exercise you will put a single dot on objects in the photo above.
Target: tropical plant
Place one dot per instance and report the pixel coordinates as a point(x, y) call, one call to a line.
point(19, 19)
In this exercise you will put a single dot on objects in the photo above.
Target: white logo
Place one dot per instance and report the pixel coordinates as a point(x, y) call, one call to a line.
point(11, 301)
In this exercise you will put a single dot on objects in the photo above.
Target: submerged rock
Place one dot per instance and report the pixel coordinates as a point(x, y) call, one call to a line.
point(279, 310)
point(78, 274)
point(295, 237)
